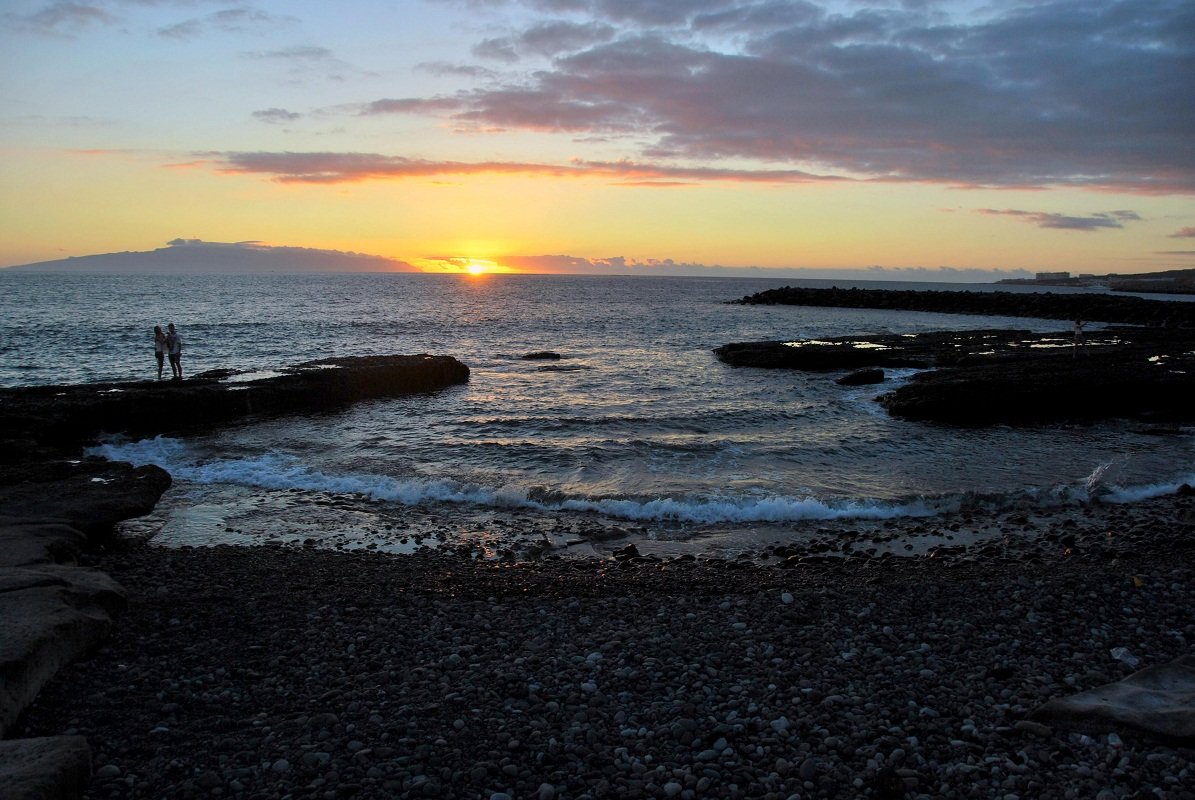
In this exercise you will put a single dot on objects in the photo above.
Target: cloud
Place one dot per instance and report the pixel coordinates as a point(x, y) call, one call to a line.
point(1044, 219)
point(619, 265)
point(558, 36)
point(444, 69)
point(410, 105)
point(1050, 93)
point(298, 53)
point(546, 39)
point(60, 18)
point(306, 60)
point(356, 167)
point(1185, 233)
point(276, 115)
point(498, 49)
point(228, 20)
point(638, 12)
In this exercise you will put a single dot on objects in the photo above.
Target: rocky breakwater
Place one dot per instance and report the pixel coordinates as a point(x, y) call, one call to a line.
point(986, 377)
point(57, 509)
point(43, 419)
point(1096, 307)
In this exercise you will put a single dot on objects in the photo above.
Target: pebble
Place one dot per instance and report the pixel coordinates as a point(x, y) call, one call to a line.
point(338, 679)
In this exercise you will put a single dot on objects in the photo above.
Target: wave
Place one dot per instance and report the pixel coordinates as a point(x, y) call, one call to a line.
point(281, 471)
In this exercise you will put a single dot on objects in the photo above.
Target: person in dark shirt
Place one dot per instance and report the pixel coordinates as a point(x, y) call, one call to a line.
point(174, 348)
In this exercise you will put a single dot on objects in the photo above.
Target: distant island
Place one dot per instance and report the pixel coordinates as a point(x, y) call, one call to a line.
point(198, 256)
point(1174, 281)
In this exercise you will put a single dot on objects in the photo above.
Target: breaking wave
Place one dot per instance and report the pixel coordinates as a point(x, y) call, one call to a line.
point(281, 471)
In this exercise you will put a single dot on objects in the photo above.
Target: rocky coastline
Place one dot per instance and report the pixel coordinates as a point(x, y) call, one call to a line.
point(988, 377)
point(851, 660)
point(57, 509)
point(41, 421)
point(1091, 307)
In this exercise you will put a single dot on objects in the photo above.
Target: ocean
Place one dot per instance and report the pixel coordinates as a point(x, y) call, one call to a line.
point(637, 431)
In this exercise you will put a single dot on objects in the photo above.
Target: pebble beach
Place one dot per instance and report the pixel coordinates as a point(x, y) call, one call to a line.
point(291, 672)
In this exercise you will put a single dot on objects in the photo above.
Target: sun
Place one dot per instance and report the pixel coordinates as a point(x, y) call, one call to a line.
point(478, 266)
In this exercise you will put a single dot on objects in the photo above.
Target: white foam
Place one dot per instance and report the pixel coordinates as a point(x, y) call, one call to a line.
point(280, 471)
point(1134, 494)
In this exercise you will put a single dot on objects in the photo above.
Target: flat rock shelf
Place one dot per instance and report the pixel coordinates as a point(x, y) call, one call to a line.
point(37, 417)
point(988, 377)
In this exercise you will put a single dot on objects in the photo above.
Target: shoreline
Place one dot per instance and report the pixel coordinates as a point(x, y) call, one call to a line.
point(299, 672)
point(436, 675)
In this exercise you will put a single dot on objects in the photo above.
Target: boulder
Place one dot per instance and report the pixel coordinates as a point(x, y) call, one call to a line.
point(91, 495)
point(862, 377)
point(542, 355)
point(47, 768)
point(1158, 700)
point(49, 616)
point(24, 543)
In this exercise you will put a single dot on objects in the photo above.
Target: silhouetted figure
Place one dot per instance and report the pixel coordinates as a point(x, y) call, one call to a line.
point(160, 348)
point(1080, 339)
point(174, 347)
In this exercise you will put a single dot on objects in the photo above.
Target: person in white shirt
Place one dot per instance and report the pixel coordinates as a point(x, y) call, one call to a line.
point(160, 348)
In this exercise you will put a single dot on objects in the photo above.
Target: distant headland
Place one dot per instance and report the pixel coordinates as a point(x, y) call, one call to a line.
point(197, 256)
point(1174, 281)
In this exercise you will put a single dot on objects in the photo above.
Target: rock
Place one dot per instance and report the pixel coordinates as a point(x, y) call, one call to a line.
point(29, 543)
point(49, 616)
point(63, 416)
point(48, 768)
point(1158, 700)
point(1032, 728)
point(1042, 305)
point(91, 495)
point(624, 553)
point(987, 377)
point(542, 355)
point(208, 779)
point(862, 377)
point(1038, 390)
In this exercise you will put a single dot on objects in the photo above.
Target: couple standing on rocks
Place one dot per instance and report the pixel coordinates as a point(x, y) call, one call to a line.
point(171, 344)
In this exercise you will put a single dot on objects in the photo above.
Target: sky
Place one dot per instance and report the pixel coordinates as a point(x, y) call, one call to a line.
point(596, 135)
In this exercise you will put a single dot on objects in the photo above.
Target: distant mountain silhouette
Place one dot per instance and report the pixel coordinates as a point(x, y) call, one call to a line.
point(197, 256)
